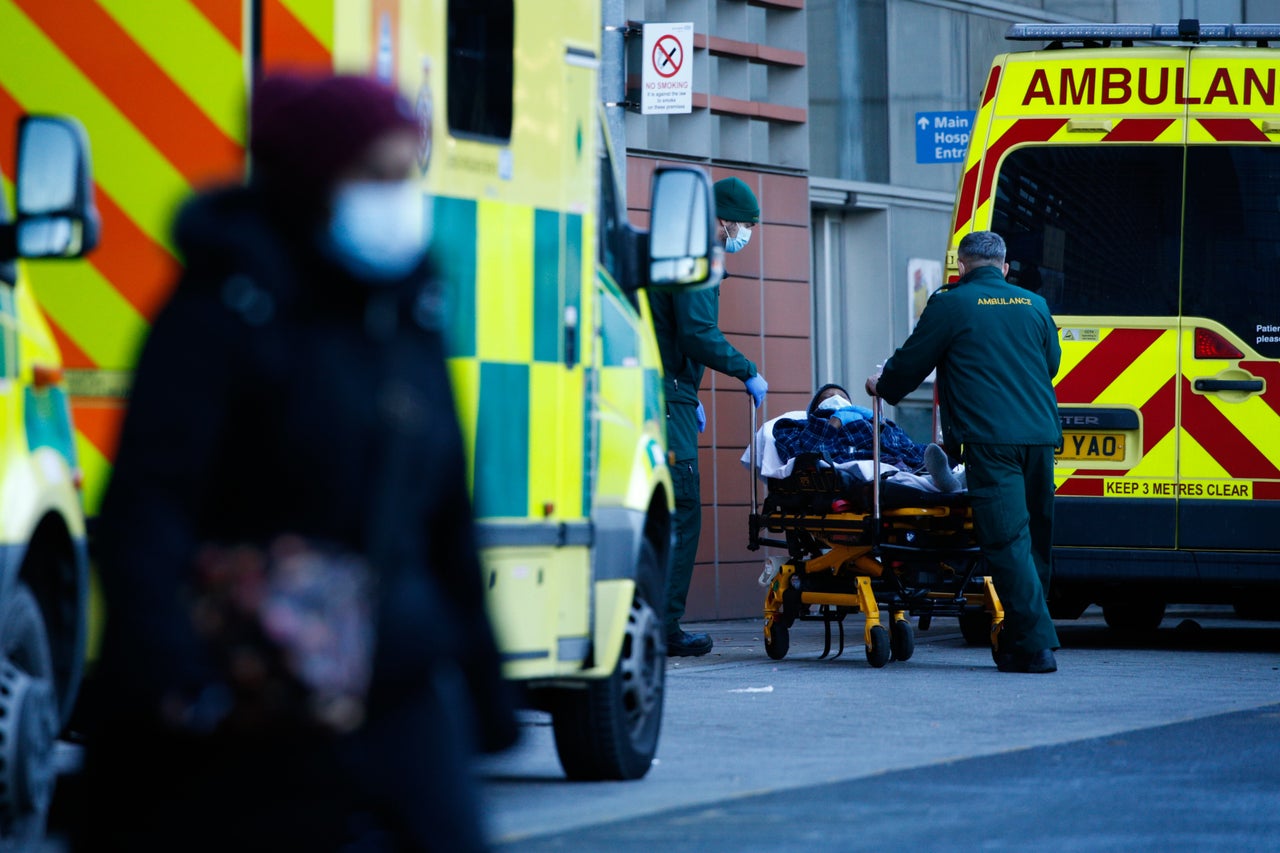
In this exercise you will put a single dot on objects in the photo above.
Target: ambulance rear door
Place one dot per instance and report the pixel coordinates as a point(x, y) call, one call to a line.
point(1229, 409)
point(1089, 158)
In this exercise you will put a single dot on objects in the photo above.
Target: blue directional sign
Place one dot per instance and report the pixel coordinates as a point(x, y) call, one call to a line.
point(943, 137)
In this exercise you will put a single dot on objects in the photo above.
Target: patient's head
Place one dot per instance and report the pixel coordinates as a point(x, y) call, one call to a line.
point(829, 397)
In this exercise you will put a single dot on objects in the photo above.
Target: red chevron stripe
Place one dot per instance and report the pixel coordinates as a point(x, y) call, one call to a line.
point(1023, 130)
point(99, 422)
point(1138, 130)
point(1266, 491)
point(1233, 130)
point(1158, 415)
point(72, 355)
point(993, 80)
point(1081, 487)
point(139, 88)
point(1269, 371)
point(964, 207)
point(1108, 359)
point(226, 15)
point(287, 44)
point(9, 113)
point(139, 268)
point(1223, 440)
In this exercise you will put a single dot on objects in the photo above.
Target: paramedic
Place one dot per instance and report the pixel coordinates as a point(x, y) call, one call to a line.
point(996, 351)
point(295, 383)
point(690, 340)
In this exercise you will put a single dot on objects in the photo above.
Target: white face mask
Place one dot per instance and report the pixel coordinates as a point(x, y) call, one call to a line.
point(380, 230)
point(738, 241)
point(832, 403)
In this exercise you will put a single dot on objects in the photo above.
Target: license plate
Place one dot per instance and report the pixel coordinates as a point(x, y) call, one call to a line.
point(1091, 446)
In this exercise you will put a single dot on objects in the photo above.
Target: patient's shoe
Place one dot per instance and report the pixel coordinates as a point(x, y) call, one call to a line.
point(682, 644)
point(939, 467)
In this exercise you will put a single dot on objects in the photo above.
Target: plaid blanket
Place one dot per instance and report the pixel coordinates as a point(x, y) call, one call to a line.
point(850, 441)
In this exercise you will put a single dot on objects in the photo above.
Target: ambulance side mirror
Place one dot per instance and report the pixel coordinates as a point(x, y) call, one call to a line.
point(56, 216)
point(683, 250)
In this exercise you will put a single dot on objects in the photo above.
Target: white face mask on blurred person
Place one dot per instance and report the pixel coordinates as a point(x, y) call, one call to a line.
point(832, 403)
point(739, 240)
point(380, 229)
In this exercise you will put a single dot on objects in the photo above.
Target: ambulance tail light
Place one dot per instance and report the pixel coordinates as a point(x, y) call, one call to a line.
point(1210, 344)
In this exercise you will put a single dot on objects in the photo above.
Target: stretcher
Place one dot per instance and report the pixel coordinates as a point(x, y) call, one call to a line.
point(870, 546)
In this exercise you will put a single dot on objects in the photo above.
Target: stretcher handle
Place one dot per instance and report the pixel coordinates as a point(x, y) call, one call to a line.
point(755, 463)
point(876, 404)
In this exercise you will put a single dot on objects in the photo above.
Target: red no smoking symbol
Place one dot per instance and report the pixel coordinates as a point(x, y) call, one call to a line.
point(668, 55)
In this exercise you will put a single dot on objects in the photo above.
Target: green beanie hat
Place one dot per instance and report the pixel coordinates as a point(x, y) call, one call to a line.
point(735, 202)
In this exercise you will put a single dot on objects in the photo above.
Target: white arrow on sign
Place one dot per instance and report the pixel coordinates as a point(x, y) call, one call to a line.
point(923, 122)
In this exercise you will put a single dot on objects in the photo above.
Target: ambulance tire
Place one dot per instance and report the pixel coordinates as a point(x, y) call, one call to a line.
point(28, 721)
point(975, 626)
point(610, 729)
point(1133, 615)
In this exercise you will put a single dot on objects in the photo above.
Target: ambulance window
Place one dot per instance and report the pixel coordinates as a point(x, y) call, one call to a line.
point(481, 68)
point(1231, 263)
point(1093, 229)
point(610, 221)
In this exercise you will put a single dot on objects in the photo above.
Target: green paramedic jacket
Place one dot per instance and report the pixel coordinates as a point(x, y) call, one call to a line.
point(996, 350)
point(689, 338)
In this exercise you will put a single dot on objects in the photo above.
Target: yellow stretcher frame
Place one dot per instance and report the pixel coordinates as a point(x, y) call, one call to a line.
point(852, 566)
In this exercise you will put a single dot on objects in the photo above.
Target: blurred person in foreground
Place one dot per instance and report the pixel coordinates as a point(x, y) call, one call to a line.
point(294, 386)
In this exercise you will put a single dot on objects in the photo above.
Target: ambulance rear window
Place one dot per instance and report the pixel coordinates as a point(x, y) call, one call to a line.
point(1093, 229)
point(1099, 230)
point(1231, 267)
point(481, 68)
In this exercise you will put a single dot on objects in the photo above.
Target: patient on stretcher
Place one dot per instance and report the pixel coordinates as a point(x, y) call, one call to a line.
point(842, 434)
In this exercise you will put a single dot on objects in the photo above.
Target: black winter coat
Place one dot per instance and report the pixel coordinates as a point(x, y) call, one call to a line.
point(275, 394)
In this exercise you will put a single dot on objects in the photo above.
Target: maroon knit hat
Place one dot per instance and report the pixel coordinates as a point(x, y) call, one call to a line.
point(305, 130)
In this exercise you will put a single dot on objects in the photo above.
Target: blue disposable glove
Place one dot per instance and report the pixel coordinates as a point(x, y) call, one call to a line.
point(701, 416)
point(849, 414)
point(757, 387)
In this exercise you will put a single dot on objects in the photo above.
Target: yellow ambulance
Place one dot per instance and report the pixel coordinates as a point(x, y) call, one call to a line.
point(1134, 172)
point(553, 357)
point(43, 554)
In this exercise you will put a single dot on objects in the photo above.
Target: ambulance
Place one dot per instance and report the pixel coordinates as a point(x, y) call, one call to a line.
point(1134, 172)
point(43, 554)
point(552, 352)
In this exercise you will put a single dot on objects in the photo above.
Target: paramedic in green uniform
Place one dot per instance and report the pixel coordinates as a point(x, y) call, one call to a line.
point(996, 350)
point(689, 337)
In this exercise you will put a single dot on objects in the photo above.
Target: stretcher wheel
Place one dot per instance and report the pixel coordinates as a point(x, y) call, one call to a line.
point(975, 625)
point(778, 642)
point(878, 649)
point(902, 640)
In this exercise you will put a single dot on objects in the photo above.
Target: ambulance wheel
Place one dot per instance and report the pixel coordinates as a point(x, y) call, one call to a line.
point(609, 730)
point(28, 720)
point(779, 643)
point(1133, 615)
point(975, 626)
point(878, 648)
point(902, 640)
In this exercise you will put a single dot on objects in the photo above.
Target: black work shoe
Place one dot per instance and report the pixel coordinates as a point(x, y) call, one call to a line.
point(1040, 661)
point(684, 645)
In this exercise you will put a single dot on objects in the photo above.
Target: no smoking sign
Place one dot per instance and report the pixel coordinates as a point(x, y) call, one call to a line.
point(666, 85)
